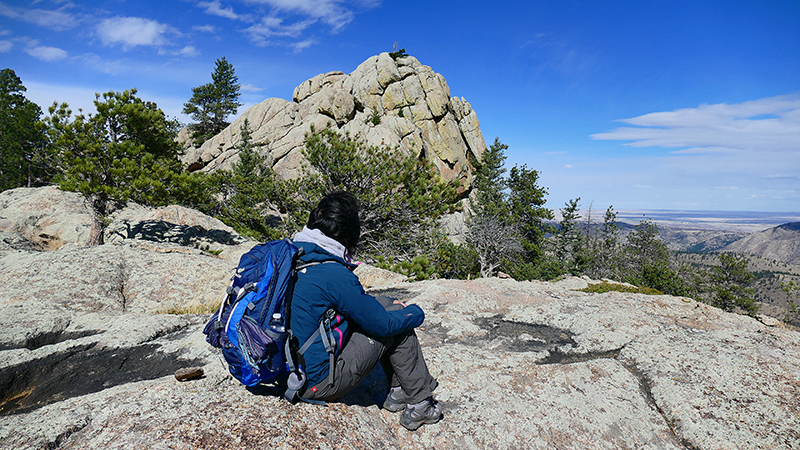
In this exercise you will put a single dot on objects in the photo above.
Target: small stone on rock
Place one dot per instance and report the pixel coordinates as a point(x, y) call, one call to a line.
point(188, 373)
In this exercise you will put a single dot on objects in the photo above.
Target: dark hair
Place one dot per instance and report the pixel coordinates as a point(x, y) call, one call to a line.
point(337, 217)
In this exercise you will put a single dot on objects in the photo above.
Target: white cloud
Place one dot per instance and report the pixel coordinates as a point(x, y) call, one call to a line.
point(251, 88)
point(132, 31)
point(332, 12)
point(215, 9)
point(300, 46)
point(271, 27)
point(46, 53)
point(768, 124)
point(189, 50)
point(205, 28)
point(57, 20)
point(5, 46)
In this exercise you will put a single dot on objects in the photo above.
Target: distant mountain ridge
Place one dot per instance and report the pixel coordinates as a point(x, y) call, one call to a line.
point(780, 243)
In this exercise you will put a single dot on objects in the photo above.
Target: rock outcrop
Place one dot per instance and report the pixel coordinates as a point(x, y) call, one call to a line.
point(48, 218)
point(391, 103)
point(88, 354)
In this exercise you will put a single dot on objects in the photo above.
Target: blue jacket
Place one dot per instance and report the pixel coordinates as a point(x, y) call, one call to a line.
point(334, 285)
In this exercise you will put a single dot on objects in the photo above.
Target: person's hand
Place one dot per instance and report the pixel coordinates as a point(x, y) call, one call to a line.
point(398, 302)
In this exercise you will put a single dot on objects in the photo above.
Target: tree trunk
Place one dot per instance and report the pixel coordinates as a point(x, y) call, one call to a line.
point(98, 221)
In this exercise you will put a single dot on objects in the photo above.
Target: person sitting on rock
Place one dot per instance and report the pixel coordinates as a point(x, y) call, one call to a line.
point(369, 329)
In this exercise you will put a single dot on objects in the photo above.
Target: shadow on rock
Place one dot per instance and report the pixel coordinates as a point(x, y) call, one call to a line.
point(79, 371)
point(523, 337)
point(371, 391)
point(162, 231)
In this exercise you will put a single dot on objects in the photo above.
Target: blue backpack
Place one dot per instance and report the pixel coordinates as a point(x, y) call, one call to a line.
point(252, 325)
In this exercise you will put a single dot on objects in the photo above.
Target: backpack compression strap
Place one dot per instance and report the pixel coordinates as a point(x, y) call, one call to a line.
point(297, 376)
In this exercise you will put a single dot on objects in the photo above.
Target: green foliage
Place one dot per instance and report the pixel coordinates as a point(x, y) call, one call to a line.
point(794, 309)
point(646, 261)
point(526, 201)
point(419, 268)
point(126, 151)
point(456, 261)
point(570, 241)
point(21, 135)
point(489, 182)
point(507, 229)
point(251, 197)
point(211, 103)
point(730, 281)
point(398, 53)
point(604, 247)
point(401, 197)
point(375, 118)
point(600, 288)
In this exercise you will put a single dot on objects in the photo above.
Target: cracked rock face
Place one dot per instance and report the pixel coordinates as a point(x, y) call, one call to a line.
point(88, 354)
point(519, 365)
point(410, 101)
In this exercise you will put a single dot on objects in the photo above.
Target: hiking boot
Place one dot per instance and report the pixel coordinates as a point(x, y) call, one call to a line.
point(396, 400)
point(428, 411)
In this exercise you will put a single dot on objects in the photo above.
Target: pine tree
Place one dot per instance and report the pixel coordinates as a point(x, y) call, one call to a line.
point(604, 248)
point(570, 241)
point(513, 205)
point(489, 182)
point(251, 196)
point(646, 261)
point(126, 151)
point(21, 134)
point(730, 283)
point(212, 103)
point(401, 197)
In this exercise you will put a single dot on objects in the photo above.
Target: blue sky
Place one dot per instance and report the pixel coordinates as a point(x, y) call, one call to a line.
point(682, 105)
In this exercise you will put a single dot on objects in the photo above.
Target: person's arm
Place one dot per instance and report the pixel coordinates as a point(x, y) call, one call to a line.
point(365, 311)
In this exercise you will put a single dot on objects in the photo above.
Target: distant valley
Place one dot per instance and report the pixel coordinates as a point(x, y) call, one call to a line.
point(770, 241)
point(745, 221)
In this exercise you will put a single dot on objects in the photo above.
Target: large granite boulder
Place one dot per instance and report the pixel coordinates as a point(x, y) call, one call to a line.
point(47, 218)
point(391, 103)
point(88, 357)
point(91, 339)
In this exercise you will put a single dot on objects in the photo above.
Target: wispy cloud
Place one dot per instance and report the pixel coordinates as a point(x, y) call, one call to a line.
point(6, 46)
point(335, 13)
point(205, 28)
point(300, 46)
point(54, 19)
point(133, 31)
point(271, 27)
point(768, 124)
point(215, 9)
point(287, 21)
point(251, 88)
point(57, 20)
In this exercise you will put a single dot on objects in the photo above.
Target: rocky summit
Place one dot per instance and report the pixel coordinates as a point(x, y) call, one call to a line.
point(91, 357)
point(391, 103)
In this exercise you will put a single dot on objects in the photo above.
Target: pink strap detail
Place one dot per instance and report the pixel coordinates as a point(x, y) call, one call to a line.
point(341, 335)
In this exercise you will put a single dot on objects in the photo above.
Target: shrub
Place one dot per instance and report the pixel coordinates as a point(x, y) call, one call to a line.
point(600, 288)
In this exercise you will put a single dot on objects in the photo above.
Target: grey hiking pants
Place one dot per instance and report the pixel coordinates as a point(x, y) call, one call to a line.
point(400, 356)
